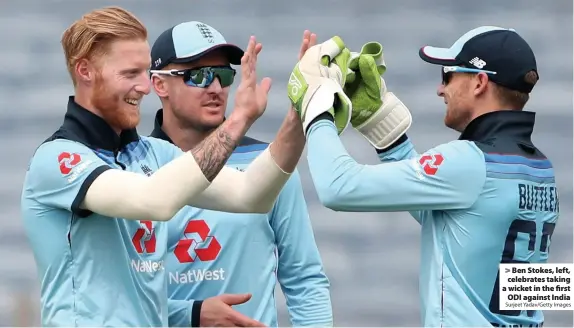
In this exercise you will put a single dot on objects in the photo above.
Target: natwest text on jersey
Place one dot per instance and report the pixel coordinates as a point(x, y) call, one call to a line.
point(197, 275)
point(147, 266)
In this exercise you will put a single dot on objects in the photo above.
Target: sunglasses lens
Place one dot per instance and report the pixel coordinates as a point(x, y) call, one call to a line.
point(225, 75)
point(198, 77)
point(446, 77)
point(203, 77)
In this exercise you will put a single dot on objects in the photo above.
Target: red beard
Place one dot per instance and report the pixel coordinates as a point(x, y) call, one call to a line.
point(117, 113)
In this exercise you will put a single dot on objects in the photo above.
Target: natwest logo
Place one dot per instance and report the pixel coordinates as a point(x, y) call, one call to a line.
point(431, 163)
point(197, 275)
point(68, 161)
point(144, 238)
point(147, 266)
point(206, 248)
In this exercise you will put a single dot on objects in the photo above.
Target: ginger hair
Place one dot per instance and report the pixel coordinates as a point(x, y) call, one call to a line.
point(90, 37)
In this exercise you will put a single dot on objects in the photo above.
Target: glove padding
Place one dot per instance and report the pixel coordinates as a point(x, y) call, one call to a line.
point(316, 84)
point(377, 114)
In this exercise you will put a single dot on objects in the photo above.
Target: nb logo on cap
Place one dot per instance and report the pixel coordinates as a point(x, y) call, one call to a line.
point(477, 62)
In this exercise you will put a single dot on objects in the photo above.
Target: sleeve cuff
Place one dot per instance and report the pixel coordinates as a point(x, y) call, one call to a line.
point(323, 116)
point(196, 313)
point(395, 144)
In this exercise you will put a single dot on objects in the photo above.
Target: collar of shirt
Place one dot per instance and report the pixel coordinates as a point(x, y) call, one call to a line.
point(93, 131)
point(160, 134)
point(514, 124)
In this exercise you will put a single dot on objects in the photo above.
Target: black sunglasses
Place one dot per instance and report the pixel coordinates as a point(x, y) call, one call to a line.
point(202, 77)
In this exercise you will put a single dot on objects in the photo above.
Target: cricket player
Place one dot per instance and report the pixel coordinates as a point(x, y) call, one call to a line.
point(487, 198)
point(211, 252)
point(96, 195)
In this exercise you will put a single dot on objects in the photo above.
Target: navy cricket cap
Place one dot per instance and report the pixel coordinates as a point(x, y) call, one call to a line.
point(490, 48)
point(189, 41)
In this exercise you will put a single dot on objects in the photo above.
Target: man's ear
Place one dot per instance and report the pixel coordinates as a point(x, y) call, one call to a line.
point(159, 85)
point(479, 83)
point(85, 71)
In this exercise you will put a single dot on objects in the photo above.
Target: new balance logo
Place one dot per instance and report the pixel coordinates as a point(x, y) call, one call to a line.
point(477, 62)
point(146, 170)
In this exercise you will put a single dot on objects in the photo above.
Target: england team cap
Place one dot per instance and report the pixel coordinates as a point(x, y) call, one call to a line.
point(186, 42)
point(490, 48)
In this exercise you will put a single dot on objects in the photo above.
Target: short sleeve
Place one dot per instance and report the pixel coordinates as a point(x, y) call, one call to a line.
point(60, 174)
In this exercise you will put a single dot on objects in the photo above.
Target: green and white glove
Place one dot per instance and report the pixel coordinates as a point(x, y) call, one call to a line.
point(316, 83)
point(377, 114)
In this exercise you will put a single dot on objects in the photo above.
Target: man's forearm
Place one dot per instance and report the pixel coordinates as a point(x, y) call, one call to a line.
point(256, 189)
point(252, 191)
point(289, 144)
point(214, 151)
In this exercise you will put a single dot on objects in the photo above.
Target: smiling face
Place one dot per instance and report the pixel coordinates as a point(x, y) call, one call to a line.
point(108, 57)
point(202, 109)
point(121, 80)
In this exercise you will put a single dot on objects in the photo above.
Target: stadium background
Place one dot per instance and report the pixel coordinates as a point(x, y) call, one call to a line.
point(372, 259)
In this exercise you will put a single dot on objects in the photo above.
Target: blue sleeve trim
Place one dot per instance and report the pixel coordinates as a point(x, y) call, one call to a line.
point(539, 163)
point(75, 208)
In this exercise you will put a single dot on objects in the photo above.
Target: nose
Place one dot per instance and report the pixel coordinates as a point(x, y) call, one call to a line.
point(144, 85)
point(215, 86)
point(440, 90)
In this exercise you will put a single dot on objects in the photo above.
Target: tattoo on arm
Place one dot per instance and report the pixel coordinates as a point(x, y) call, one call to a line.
point(212, 153)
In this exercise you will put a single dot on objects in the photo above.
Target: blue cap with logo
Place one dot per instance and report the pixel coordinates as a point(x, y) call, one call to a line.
point(498, 50)
point(189, 41)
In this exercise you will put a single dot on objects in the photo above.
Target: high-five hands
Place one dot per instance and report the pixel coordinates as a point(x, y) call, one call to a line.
point(309, 40)
point(316, 83)
point(251, 97)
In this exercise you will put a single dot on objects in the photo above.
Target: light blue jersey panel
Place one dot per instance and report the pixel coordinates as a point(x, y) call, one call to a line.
point(512, 221)
point(94, 270)
point(479, 205)
point(211, 253)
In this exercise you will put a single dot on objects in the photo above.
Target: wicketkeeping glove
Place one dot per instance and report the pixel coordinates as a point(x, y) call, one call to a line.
point(376, 113)
point(316, 83)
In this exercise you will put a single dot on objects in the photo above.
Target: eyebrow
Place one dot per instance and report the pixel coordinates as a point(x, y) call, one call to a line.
point(131, 70)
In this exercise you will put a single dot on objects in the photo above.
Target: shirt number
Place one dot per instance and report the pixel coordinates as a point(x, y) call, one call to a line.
point(509, 256)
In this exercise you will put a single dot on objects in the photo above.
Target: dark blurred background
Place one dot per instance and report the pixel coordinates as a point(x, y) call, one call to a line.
point(372, 259)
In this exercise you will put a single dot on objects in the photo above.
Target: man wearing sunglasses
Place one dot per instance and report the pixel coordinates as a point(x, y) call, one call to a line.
point(213, 252)
point(487, 198)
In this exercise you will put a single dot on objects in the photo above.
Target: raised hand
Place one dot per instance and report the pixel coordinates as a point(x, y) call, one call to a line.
point(309, 40)
point(251, 97)
point(290, 141)
point(316, 83)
